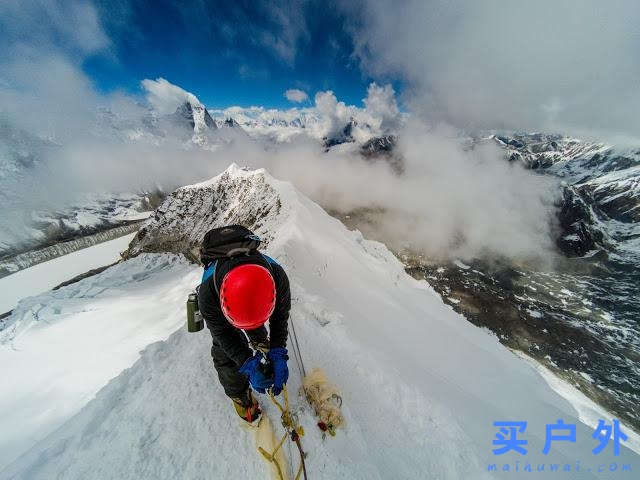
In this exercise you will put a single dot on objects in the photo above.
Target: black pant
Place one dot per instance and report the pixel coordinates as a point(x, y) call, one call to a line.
point(235, 384)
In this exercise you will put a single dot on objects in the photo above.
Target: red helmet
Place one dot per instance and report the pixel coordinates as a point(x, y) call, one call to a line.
point(248, 296)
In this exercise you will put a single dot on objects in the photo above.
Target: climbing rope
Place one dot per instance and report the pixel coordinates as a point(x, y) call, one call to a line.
point(296, 351)
point(292, 430)
point(321, 395)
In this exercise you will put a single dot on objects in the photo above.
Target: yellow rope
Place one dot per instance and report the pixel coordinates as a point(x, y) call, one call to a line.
point(290, 426)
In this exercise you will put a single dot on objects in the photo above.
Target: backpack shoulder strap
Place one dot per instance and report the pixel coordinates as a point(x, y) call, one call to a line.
point(269, 260)
point(209, 271)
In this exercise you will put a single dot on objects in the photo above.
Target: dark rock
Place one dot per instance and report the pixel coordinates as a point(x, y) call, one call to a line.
point(383, 148)
point(343, 136)
point(580, 233)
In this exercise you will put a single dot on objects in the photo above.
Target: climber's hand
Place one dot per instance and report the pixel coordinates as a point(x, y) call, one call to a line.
point(278, 358)
point(259, 381)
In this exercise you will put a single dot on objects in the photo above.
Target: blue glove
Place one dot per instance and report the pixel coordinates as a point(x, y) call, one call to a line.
point(278, 358)
point(258, 380)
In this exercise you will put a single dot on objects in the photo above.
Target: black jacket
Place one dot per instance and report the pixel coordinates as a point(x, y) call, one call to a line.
point(230, 338)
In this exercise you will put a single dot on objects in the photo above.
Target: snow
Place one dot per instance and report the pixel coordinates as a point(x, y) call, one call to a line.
point(131, 216)
point(461, 265)
point(421, 385)
point(534, 313)
point(586, 376)
point(46, 275)
point(589, 412)
point(62, 347)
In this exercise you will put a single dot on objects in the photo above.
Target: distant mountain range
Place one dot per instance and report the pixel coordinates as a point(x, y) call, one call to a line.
point(600, 212)
point(601, 184)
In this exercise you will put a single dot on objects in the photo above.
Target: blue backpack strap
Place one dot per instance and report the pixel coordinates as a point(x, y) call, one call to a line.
point(209, 271)
point(269, 260)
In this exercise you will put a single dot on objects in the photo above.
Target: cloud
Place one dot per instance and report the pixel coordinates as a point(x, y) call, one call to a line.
point(296, 95)
point(336, 114)
point(42, 87)
point(566, 66)
point(451, 201)
point(287, 28)
point(165, 97)
point(381, 105)
point(48, 96)
point(37, 26)
point(380, 116)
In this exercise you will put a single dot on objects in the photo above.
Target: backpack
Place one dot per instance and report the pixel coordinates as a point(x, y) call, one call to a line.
point(228, 241)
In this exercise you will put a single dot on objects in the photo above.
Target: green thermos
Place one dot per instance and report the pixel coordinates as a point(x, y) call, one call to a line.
point(195, 322)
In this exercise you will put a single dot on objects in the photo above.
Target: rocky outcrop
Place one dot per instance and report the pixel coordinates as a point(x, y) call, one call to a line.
point(383, 148)
point(581, 232)
point(179, 224)
point(342, 136)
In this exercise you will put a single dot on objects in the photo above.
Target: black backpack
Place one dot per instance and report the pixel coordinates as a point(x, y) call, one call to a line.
point(228, 241)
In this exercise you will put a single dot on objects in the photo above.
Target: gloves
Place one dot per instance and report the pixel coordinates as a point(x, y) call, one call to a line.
point(257, 378)
point(278, 358)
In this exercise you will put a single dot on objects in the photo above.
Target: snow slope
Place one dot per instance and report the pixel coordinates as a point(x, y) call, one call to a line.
point(61, 347)
point(421, 386)
point(46, 275)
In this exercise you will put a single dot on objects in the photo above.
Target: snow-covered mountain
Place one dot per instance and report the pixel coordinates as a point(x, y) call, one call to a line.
point(26, 160)
point(601, 209)
point(421, 386)
point(191, 125)
point(346, 125)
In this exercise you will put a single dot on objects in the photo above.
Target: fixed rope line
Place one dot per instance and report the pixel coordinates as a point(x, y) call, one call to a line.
point(291, 429)
point(296, 351)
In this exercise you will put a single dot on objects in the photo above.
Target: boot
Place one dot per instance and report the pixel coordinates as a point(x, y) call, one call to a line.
point(247, 407)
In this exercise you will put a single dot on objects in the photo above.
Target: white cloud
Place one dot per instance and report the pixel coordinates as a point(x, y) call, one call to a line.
point(450, 202)
point(49, 25)
point(296, 95)
point(381, 104)
point(165, 97)
point(379, 117)
point(48, 96)
point(495, 64)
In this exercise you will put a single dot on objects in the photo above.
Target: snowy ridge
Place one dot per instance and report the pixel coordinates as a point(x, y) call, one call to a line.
point(234, 196)
point(421, 386)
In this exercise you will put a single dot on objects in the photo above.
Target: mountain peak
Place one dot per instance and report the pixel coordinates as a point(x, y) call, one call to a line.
point(252, 198)
point(231, 123)
point(196, 116)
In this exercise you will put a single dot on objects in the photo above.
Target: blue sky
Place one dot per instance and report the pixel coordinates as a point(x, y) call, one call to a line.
point(228, 53)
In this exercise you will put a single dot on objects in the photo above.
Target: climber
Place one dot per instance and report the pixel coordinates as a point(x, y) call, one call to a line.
point(241, 291)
